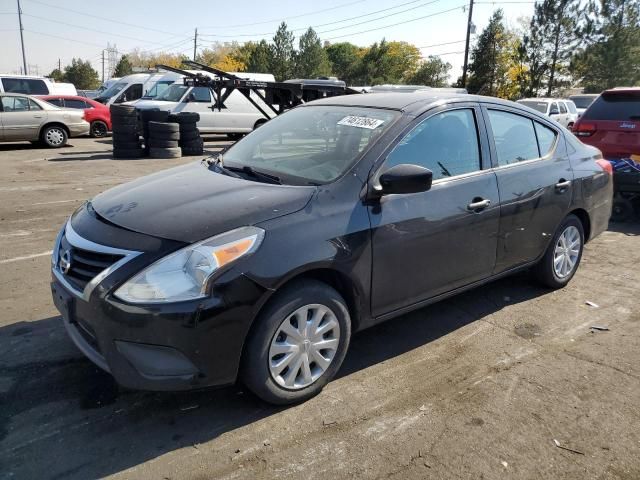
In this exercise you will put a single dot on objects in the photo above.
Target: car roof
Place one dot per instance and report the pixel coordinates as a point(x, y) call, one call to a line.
point(414, 102)
point(11, 94)
point(622, 91)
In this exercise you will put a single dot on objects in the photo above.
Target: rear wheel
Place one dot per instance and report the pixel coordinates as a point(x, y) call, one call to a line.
point(298, 343)
point(54, 136)
point(98, 129)
point(562, 258)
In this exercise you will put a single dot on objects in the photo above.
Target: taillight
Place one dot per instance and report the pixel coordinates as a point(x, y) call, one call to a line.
point(605, 165)
point(584, 129)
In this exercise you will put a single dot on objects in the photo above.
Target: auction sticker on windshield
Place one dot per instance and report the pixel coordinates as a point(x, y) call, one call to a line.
point(361, 122)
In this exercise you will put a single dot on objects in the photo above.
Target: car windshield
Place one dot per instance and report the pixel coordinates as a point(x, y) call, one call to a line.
point(173, 94)
point(618, 106)
point(158, 89)
point(113, 90)
point(539, 106)
point(582, 101)
point(310, 145)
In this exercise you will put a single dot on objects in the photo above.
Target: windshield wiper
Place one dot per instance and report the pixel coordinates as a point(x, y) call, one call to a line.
point(255, 173)
point(217, 165)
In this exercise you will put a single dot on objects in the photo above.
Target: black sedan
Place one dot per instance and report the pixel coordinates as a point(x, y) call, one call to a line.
point(260, 264)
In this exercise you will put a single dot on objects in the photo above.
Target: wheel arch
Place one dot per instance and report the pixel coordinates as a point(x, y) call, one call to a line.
point(54, 124)
point(584, 218)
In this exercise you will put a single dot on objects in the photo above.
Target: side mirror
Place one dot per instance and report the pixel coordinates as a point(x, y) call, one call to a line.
point(405, 178)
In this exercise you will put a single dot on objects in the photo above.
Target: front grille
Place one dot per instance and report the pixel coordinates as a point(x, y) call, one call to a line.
point(85, 264)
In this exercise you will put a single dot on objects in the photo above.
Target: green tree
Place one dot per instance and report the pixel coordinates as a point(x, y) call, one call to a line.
point(389, 62)
point(123, 68)
point(612, 56)
point(282, 53)
point(531, 52)
point(260, 58)
point(487, 69)
point(432, 72)
point(311, 60)
point(57, 75)
point(81, 74)
point(345, 59)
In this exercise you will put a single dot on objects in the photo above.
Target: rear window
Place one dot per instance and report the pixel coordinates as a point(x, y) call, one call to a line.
point(618, 106)
point(539, 106)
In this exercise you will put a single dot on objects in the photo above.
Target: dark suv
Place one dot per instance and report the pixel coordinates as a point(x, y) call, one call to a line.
point(259, 264)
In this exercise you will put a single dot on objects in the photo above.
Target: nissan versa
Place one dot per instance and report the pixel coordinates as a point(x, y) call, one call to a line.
point(259, 264)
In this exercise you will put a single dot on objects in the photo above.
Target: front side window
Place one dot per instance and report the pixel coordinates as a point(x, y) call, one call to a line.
point(446, 144)
point(200, 94)
point(310, 145)
point(514, 137)
point(134, 92)
point(563, 108)
point(173, 94)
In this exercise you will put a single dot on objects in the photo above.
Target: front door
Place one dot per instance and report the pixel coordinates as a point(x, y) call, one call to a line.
point(21, 118)
point(535, 181)
point(428, 243)
point(199, 100)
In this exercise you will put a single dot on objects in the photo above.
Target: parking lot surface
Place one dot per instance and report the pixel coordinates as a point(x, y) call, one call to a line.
point(506, 381)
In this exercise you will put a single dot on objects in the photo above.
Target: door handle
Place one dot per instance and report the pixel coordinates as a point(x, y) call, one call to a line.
point(562, 184)
point(479, 205)
point(37, 116)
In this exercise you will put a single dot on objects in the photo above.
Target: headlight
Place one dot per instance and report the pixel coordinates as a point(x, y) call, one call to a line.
point(183, 275)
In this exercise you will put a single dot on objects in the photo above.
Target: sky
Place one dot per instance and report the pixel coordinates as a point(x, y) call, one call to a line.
point(59, 30)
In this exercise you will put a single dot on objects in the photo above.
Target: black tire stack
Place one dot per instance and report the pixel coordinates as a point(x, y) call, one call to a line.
point(163, 140)
point(146, 116)
point(126, 139)
point(190, 141)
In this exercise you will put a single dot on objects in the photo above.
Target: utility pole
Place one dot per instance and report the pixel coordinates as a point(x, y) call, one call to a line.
point(195, 44)
point(466, 46)
point(103, 66)
point(59, 65)
point(24, 58)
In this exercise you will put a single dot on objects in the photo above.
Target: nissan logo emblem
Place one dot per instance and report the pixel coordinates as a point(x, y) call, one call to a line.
point(65, 262)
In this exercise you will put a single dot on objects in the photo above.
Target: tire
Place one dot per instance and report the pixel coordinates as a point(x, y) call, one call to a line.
point(98, 129)
point(165, 152)
point(189, 135)
point(545, 271)
point(154, 115)
point(126, 145)
point(235, 136)
point(124, 110)
point(128, 153)
point(163, 127)
point(117, 137)
point(173, 136)
point(192, 144)
point(622, 209)
point(124, 121)
point(257, 357)
point(54, 136)
point(184, 118)
point(259, 123)
point(154, 143)
point(192, 152)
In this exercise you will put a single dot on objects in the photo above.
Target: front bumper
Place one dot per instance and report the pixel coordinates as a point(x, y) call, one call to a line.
point(177, 346)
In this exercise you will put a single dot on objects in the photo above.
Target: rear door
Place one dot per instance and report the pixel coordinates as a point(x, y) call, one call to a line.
point(535, 182)
point(21, 118)
point(614, 122)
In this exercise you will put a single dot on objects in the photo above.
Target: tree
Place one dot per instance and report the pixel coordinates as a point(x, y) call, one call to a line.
point(282, 53)
point(311, 59)
point(612, 57)
point(487, 69)
point(432, 72)
point(388, 62)
point(260, 58)
point(146, 60)
point(57, 75)
point(81, 74)
point(345, 58)
point(531, 53)
point(123, 68)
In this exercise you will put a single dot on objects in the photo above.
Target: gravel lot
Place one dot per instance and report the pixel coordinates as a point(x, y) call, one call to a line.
point(478, 386)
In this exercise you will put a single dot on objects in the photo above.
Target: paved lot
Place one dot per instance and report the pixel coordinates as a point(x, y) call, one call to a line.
point(478, 386)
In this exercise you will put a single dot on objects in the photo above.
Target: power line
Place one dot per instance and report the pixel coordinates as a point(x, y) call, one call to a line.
point(63, 38)
point(441, 44)
point(398, 23)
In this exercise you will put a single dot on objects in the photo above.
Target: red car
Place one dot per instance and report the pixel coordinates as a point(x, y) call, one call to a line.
point(612, 123)
point(95, 113)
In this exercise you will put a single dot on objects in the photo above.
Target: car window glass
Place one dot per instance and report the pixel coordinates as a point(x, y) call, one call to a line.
point(34, 106)
point(572, 107)
point(19, 104)
point(554, 110)
point(56, 101)
point(546, 138)
point(25, 85)
point(563, 108)
point(446, 144)
point(514, 137)
point(616, 106)
point(72, 103)
point(200, 94)
point(7, 104)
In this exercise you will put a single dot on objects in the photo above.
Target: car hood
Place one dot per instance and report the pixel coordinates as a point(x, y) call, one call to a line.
point(143, 104)
point(191, 203)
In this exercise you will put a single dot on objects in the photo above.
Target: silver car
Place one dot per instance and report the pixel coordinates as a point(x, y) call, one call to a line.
point(25, 118)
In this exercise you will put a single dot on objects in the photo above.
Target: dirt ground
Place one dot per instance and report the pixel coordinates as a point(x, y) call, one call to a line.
point(480, 386)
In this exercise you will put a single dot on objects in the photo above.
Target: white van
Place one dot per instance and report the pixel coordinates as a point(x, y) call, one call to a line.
point(131, 87)
point(34, 85)
point(237, 116)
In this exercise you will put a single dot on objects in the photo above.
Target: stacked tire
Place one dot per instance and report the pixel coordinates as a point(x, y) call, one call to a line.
point(126, 138)
point(190, 141)
point(163, 140)
point(146, 116)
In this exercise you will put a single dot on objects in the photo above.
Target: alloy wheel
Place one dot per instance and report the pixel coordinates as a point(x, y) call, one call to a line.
point(304, 346)
point(566, 252)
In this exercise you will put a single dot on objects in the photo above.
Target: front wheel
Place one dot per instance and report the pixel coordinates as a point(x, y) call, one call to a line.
point(562, 258)
point(298, 343)
point(54, 136)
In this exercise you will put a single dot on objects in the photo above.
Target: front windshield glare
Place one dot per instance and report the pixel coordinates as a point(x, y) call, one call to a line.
point(314, 144)
point(113, 90)
point(173, 94)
